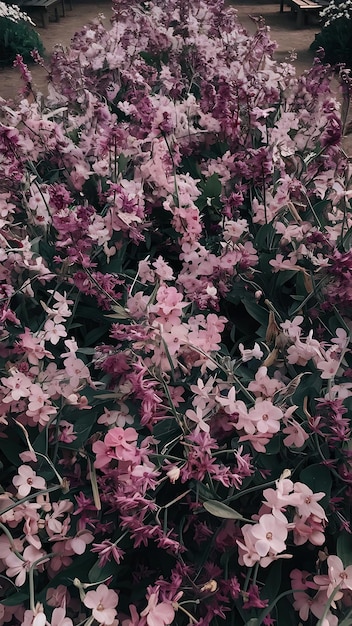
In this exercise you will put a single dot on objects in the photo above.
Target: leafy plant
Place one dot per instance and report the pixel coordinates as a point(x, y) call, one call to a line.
point(335, 37)
point(17, 35)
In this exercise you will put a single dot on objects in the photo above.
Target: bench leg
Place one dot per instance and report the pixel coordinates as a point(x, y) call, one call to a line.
point(45, 18)
point(300, 19)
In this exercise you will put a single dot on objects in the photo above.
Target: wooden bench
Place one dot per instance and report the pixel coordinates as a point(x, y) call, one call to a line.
point(302, 8)
point(43, 7)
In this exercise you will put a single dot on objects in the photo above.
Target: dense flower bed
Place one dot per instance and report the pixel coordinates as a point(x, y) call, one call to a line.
point(176, 371)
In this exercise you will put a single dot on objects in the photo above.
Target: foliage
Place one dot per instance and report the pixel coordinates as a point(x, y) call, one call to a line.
point(175, 356)
point(335, 37)
point(17, 35)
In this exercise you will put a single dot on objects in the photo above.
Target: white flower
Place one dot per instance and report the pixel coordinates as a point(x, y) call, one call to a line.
point(13, 13)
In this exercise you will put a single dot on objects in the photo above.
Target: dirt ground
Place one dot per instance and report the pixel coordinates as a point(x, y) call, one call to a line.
point(283, 29)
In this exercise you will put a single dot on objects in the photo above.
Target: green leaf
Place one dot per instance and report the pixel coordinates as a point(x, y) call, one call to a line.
point(93, 336)
point(15, 599)
point(212, 187)
point(218, 509)
point(256, 311)
point(318, 478)
point(344, 548)
point(283, 277)
point(347, 621)
point(273, 581)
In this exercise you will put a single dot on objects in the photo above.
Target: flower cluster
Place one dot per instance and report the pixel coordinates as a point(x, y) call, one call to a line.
point(13, 12)
point(335, 11)
point(175, 356)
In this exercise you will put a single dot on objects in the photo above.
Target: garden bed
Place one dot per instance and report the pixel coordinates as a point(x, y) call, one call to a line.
point(176, 364)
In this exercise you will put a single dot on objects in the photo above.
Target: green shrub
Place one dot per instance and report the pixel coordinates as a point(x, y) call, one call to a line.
point(336, 40)
point(17, 35)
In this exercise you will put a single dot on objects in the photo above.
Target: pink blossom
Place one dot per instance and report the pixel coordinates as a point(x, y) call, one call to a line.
point(295, 435)
point(197, 417)
point(26, 480)
point(79, 542)
point(158, 614)
point(264, 386)
point(122, 441)
point(247, 354)
point(162, 269)
point(265, 416)
point(270, 534)
point(76, 370)
point(54, 332)
point(309, 502)
point(103, 602)
point(339, 576)
point(18, 384)
point(168, 300)
point(59, 618)
point(328, 368)
point(37, 398)
point(19, 567)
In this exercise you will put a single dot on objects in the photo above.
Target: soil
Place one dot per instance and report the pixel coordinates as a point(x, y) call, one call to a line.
point(283, 28)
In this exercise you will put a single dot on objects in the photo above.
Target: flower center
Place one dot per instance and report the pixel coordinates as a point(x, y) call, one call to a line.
point(307, 500)
point(265, 417)
point(269, 536)
point(100, 607)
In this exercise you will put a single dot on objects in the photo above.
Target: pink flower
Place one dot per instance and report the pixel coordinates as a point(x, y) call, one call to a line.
point(197, 417)
point(328, 368)
point(53, 332)
point(295, 435)
point(338, 575)
point(59, 618)
point(270, 535)
point(247, 355)
point(18, 385)
point(76, 370)
point(79, 542)
point(19, 567)
point(162, 269)
point(168, 301)
point(266, 416)
point(102, 601)
point(26, 479)
point(158, 614)
point(122, 441)
point(36, 398)
point(309, 502)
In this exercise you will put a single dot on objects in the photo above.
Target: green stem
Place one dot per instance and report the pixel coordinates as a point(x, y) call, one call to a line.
point(11, 540)
point(328, 605)
point(249, 490)
point(31, 496)
point(31, 578)
point(248, 577)
point(269, 608)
